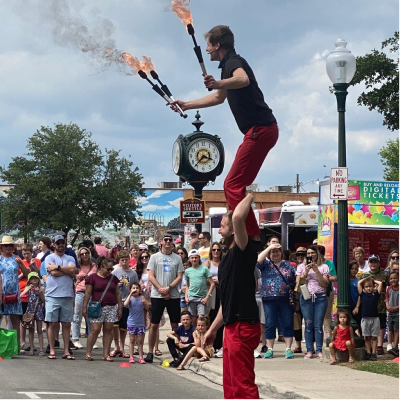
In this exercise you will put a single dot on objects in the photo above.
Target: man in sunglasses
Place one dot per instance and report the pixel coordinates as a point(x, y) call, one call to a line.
point(165, 274)
point(205, 243)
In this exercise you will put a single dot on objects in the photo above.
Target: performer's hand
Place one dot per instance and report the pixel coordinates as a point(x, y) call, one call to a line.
point(211, 83)
point(180, 103)
point(208, 338)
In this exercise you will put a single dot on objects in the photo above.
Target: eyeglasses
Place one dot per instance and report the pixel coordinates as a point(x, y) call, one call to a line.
point(216, 249)
point(144, 257)
point(59, 242)
point(167, 240)
point(201, 238)
point(108, 269)
point(300, 255)
point(180, 252)
point(85, 253)
point(394, 257)
point(8, 245)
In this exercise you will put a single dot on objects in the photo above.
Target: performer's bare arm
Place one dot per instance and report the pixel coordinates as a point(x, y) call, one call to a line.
point(239, 80)
point(239, 221)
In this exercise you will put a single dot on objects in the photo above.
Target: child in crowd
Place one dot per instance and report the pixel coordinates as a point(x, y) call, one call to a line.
point(181, 340)
point(392, 305)
point(136, 324)
point(370, 324)
point(197, 294)
point(203, 324)
point(342, 336)
point(36, 301)
point(183, 287)
point(354, 293)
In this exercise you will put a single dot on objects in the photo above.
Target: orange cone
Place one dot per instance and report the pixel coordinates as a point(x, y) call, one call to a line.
point(124, 365)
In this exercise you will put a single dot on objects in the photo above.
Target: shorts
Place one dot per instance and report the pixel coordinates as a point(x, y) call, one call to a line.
point(261, 313)
point(108, 314)
point(184, 304)
point(59, 309)
point(123, 322)
point(24, 307)
point(370, 326)
point(393, 323)
point(136, 330)
point(172, 306)
point(196, 307)
point(382, 320)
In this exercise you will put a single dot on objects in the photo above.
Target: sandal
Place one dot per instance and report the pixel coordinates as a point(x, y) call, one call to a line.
point(123, 355)
point(68, 357)
point(297, 350)
point(333, 362)
point(181, 368)
point(158, 353)
point(108, 359)
point(42, 353)
point(204, 359)
point(89, 358)
point(308, 356)
point(320, 356)
point(132, 360)
point(52, 357)
point(31, 353)
point(115, 353)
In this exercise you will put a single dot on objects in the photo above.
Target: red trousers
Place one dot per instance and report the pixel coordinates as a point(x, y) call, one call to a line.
point(240, 341)
point(250, 156)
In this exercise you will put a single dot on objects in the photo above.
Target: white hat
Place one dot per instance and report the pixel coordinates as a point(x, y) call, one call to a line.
point(143, 246)
point(151, 242)
point(7, 240)
point(193, 252)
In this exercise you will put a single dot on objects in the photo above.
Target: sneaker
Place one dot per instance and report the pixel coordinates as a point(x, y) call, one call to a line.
point(219, 353)
point(394, 352)
point(95, 346)
point(149, 358)
point(374, 357)
point(389, 347)
point(257, 354)
point(264, 349)
point(380, 351)
point(367, 356)
point(25, 347)
point(289, 353)
point(269, 353)
point(48, 349)
point(141, 361)
point(175, 363)
point(56, 343)
point(72, 345)
point(132, 360)
point(78, 345)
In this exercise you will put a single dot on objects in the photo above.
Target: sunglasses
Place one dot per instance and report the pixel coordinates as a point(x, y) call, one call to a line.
point(108, 269)
point(216, 249)
point(167, 240)
point(85, 253)
point(394, 257)
point(180, 252)
point(144, 257)
point(8, 245)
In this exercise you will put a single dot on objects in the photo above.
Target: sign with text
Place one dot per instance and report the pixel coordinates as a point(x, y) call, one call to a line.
point(192, 211)
point(339, 183)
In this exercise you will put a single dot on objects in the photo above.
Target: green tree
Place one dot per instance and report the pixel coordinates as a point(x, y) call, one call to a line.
point(390, 159)
point(66, 183)
point(380, 73)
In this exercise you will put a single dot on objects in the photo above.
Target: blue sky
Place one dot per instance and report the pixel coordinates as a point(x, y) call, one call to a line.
point(47, 79)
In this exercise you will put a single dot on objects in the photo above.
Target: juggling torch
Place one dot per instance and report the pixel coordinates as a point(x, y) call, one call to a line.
point(158, 90)
point(197, 50)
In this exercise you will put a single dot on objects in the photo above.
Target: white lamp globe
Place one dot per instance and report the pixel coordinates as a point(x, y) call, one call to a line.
point(341, 64)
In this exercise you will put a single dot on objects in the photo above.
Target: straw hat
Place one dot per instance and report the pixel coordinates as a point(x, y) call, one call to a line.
point(150, 242)
point(7, 240)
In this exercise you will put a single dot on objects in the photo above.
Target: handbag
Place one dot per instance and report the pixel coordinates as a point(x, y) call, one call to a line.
point(27, 318)
point(292, 298)
point(9, 345)
point(10, 298)
point(94, 307)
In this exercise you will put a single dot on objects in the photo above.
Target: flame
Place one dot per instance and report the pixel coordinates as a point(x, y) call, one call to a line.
point(181, 9)
point(145, 64)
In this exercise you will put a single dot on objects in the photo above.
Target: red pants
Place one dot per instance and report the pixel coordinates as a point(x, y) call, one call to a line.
point(240, 341)
point(250, 156)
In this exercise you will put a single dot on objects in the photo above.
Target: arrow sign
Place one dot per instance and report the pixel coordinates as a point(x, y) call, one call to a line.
point(339, 183)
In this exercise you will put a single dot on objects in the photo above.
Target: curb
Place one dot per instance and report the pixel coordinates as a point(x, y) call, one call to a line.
point(213, 373)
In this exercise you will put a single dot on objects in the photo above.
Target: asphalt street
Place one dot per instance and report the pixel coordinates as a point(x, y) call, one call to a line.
point(26, 377)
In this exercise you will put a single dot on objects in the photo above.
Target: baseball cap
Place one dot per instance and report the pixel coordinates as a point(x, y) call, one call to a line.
point(58, 237)
point(32, 275)
point(301, 250)
point(373, 257)
point(167, 235)
point(315, 241)
point(179, 240)
point(193, 252)
point(143, 246)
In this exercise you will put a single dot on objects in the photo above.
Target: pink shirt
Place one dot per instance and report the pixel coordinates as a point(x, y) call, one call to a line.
point(102, 251)
point(80, 286)
point(313, 285)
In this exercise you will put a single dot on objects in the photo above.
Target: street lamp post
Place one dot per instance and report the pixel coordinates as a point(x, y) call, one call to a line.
point(341, 67)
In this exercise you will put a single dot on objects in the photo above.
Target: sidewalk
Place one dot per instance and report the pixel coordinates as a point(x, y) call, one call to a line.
point(299, 378)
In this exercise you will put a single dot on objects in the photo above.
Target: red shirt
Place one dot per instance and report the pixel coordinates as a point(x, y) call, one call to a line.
point(99, 284)
point(24, 279)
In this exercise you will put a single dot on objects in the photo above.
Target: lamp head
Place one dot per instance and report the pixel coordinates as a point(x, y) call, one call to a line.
point(341, 64)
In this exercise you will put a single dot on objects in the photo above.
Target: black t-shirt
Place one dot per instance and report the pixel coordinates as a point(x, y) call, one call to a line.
point(185, 336)
point(247, 104)
point(369, 304)
point(238, 285)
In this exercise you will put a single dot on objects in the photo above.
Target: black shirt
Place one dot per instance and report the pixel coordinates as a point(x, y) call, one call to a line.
point(238, 285)
point(247, 104)
point(369, 304)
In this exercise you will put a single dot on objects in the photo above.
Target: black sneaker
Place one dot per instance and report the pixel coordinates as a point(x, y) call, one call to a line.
point(72, 345)
point(374, 357)
point(175, 363)
point(149, 358)
point(48, 349)
point(394, 352)
point(367, 356)
point(380, 351)
point(264, 349)
point(56, 343)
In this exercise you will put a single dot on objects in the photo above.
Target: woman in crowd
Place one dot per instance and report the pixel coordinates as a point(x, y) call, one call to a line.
point(313, 300)
point(359, 254)
point(9, 264)
point(111, 306)
point(393, 257)
point(182, 252)
point(278, 281)
point(214, 259)
point(87, 268)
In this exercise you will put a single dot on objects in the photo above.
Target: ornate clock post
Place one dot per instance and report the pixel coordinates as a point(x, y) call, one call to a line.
point(198, 158)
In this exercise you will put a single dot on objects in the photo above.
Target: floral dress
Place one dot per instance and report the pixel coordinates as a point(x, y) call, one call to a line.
point(33, 295)
point(9, 276)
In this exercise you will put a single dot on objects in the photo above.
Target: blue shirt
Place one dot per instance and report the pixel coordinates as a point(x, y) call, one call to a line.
point(136, 313)
point(59, 286)
point(185, 336)
point(273, 285)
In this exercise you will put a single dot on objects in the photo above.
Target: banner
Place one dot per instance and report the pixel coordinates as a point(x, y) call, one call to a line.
point(326, 231)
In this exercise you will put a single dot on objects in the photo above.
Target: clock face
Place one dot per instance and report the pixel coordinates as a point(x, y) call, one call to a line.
point(203, 155)
point(176, 157)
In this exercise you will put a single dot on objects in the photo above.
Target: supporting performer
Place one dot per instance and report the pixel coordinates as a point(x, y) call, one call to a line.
point(252, 114)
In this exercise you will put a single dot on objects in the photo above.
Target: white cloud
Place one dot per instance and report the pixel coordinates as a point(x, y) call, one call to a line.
point(176, 203)
point(154, 207)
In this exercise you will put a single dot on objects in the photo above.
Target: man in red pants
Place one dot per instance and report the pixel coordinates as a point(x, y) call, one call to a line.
point(253, 116)
point(238, 310)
